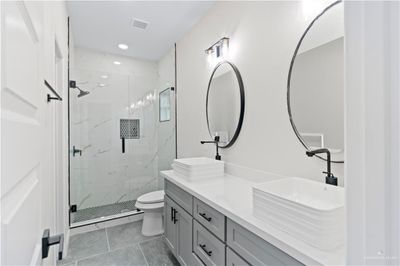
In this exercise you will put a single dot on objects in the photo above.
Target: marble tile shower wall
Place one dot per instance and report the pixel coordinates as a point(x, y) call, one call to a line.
point(103, 174)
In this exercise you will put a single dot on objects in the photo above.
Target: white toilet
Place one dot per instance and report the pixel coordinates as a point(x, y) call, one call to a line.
point(152, 204)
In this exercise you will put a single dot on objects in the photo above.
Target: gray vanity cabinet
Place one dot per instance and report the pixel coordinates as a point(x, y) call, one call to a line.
point(211, 219)
point(184, 237)
point(207, 247)
point(232, 259)
point(178, 231)
point(180, 196)
point(199, 235)
point(170, 234)
point(254, 249)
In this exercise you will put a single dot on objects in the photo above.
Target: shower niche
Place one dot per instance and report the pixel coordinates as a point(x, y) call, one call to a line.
point(115, 125)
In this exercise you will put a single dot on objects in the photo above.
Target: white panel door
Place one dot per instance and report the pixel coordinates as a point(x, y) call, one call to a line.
point(26, 191)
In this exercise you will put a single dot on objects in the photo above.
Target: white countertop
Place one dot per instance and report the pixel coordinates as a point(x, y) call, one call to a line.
point(232, 196)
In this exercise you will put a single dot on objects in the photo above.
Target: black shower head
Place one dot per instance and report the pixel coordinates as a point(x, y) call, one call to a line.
point(72, 84)
point(82, 93)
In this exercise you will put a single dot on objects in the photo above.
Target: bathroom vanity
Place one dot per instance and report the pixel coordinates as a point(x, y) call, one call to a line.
point(211, 222)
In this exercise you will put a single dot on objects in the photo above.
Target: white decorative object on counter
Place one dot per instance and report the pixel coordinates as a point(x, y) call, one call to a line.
point(310, 211)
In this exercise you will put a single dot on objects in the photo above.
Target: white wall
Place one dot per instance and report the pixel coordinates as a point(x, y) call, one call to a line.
point(263, 38)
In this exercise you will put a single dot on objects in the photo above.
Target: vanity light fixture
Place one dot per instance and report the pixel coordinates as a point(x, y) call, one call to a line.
point(117, 62)
point(123, 46)
point(219, 49)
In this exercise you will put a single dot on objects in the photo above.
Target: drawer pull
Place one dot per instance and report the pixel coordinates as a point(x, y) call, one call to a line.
point(205, 216)
point(203, 247)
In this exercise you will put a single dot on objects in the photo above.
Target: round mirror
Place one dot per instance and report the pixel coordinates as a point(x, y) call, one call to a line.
point(225, 103)
point(315, 86)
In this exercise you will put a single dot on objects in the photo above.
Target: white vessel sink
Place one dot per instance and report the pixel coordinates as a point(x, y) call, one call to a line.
point(310, 211)
point(198, 168)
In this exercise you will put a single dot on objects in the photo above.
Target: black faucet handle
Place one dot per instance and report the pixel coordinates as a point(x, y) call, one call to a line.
point(216, 138)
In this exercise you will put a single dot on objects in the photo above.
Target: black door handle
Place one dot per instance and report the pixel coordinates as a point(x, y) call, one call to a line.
point(123, 145)
point(205, 216)
point(175, 212)
point(172, 214)
point(203, 247)
point(48, 241)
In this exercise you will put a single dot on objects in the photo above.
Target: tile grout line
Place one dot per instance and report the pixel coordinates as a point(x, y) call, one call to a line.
point(108, 242)
point(144, 256)
point(93, 255)
point(118, 248)
point(127, 246)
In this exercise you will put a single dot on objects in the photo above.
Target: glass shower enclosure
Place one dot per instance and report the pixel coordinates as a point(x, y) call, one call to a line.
point(118, 141)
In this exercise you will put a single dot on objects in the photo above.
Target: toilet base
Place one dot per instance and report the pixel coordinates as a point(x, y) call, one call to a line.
point(152, 223)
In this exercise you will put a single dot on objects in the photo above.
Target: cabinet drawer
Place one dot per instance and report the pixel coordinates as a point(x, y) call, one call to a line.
point(232, 259)
point(184, 199)
point(197, 261)
point(210, 249)
point(254, 249)
point(210, 218)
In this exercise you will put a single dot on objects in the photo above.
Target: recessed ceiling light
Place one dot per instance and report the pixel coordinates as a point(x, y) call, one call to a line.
point(123, 46)
point(102, 85)
point(104, 76)
point(117, 62)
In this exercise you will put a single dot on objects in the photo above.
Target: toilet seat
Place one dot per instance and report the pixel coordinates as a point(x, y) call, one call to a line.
point(149, 206)
point(151, 197)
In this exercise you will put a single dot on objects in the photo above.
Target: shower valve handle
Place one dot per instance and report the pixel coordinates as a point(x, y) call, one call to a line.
point(75, 151)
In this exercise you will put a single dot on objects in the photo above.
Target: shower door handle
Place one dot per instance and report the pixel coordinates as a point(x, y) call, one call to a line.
point(75, 151)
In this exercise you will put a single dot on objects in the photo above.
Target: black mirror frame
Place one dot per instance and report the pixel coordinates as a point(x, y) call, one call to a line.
point(242, 102)
point(290, 76)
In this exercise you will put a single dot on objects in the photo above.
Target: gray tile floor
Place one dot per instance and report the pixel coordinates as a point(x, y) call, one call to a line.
point(118, 246)
point(100, 211)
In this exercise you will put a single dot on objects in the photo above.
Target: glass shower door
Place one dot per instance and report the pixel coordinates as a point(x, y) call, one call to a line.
point(117, 145)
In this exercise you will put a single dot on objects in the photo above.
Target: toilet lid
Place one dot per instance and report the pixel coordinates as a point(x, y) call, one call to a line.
point(152, 197)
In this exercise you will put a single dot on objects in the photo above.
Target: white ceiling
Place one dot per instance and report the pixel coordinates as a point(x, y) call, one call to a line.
point(101, 25)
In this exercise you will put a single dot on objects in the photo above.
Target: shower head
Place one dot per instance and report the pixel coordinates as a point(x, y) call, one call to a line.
point(82, 93)
point(72, 84)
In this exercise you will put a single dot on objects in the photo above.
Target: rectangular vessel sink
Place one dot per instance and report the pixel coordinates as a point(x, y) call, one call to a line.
point(198, 168)
point(310, 211)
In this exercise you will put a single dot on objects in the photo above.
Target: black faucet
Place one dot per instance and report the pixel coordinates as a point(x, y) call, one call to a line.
point(330, 178)
point(216, 141)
